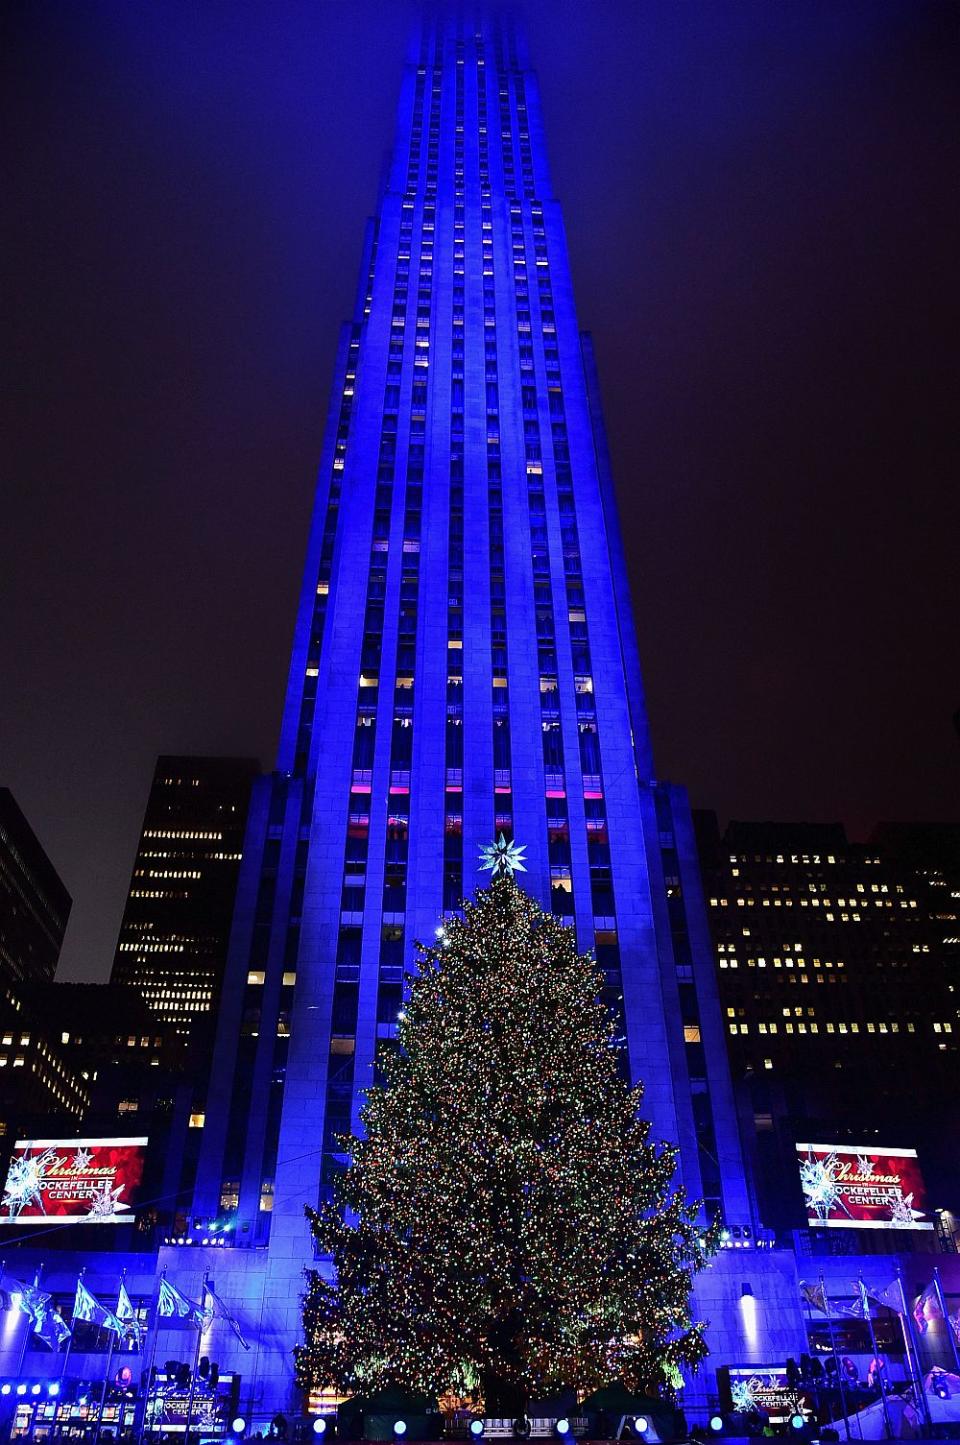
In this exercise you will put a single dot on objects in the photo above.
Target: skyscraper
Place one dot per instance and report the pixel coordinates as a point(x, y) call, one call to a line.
point(173, 936)
point(464, 665)
point(34, 904)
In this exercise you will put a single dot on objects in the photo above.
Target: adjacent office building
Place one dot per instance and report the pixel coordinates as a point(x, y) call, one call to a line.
point(34, 904)
point(173, 936)
point(836, 965)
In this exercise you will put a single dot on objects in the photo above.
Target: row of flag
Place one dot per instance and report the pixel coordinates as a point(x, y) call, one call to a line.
point(173, 1307)
point(931, 1304)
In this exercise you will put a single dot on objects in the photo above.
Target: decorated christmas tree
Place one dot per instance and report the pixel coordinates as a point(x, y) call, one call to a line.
point(506, 1225)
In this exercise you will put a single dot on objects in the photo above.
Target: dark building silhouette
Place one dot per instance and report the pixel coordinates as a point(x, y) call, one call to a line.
point(837, 970)
point(176, 923)
point(34, 904)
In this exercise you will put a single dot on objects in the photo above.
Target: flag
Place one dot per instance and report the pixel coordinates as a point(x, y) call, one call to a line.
point(927, 1307)
point(955, 1326)
point(87, 1307)
point(890, 1295)
point(815, 1296)
point(859, 1308)
point(175, 1307)
point(221, 1312)
point(52, 1328)
point(126, 1313)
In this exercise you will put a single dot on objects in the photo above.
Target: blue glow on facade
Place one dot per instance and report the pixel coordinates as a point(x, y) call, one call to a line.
point(464, 671)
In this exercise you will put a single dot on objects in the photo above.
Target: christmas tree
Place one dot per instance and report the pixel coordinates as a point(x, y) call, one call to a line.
point(506, 1225)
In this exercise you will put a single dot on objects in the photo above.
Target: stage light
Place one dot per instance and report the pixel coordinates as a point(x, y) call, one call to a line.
point(21, 1389)
point(5, 1389)
point(797, 1422)
point(319, 1427)
point(399, 1428)
point(35, 1389)
point(239, 1425)
point(716, 1423)
point(54, 1388)
point(476, 1428)
point(641, 1424)
point(563, 1426)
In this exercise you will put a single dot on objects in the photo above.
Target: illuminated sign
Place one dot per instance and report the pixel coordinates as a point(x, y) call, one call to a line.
point(746, 1388)
point(73, 1181)
point(211, 1407)
point(849, 1187)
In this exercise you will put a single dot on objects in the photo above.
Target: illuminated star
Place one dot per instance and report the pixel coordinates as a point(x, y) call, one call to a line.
point(25, 1181)
point(864, 1166)
point(82, 1159)
point(818, 1178)
point(502, 857)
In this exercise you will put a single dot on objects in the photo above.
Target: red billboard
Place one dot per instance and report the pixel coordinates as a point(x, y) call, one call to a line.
point(73, 1181)
point(862, 1187)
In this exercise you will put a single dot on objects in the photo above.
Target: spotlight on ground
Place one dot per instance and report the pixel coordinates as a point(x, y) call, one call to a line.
point(640, 1425)
point(716, 1423)
point(238, 1425)
point(34, 1389)
point(5, 1389)
point(399, 1428)
point(476, 1428)
point(53, 1388)
point(319, 1426)
point(21, 1389)
point(563, 1426)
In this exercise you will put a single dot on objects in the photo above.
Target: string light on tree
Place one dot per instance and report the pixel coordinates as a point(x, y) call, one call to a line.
point(506, 1227)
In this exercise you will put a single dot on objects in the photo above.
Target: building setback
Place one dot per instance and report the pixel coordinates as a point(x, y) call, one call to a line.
point(173, 936)
point(34, 904)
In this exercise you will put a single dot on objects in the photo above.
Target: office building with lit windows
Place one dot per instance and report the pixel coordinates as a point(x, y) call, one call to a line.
point(176, 923)
point(836, 966)
point(34, 903)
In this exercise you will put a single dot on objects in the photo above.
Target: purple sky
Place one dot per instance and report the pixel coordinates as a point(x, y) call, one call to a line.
point(762, 211)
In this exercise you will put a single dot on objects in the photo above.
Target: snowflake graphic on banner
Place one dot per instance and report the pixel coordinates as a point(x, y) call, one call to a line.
point(82, 1159)
point(503, 857)
point(818, 1179)
point(25, 1180)
point(864, 1166)
point(902, 1210)
point(741, 1394)
point(107, 1203)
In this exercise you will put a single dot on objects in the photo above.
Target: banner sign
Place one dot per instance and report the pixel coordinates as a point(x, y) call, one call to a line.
point(211, 1409)
point(850, 1187)
point(73, 1181)
point(746, 1388)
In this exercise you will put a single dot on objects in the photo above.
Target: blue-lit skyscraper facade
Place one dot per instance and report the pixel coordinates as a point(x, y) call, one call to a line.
point(464, 664)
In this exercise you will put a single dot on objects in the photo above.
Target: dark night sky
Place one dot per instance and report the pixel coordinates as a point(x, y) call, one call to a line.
point(761, 204)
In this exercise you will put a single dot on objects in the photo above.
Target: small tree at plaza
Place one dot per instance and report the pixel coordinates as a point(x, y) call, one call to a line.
point(506, 1224)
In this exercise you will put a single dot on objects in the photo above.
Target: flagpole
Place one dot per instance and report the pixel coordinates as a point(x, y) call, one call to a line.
point(948, 1326)
point(913, 1353)
point(146, 1376)
point(30, 1323)
point(73, 1320)
point(836, 1360)
point(106, 1376)
point(196, 1359)
point(865, 1302)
